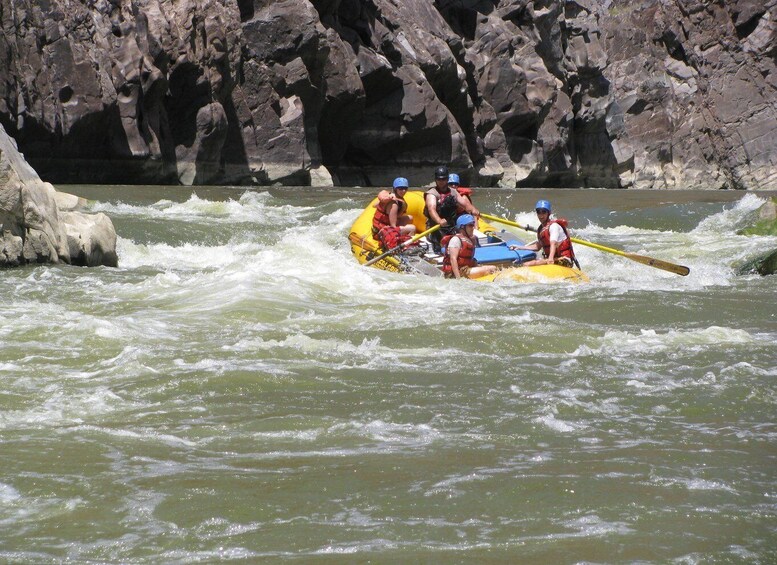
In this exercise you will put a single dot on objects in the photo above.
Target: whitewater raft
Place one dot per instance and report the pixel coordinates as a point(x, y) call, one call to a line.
point(421, 259)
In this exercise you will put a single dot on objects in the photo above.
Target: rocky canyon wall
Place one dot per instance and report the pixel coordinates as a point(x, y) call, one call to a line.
point(646, 94)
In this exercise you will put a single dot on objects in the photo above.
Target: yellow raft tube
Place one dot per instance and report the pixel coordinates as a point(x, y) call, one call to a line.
point(424, 261)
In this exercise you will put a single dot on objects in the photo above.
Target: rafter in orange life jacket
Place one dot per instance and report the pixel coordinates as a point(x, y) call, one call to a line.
point(466, 257)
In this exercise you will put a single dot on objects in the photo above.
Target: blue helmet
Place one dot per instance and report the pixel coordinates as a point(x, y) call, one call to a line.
point(543, 205)
point(453, 178)
point(401, 182)
point(465, 220)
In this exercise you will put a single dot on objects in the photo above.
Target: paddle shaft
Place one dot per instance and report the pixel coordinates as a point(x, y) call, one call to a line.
point(401, 245)
point(368, 245)
point(645, 260)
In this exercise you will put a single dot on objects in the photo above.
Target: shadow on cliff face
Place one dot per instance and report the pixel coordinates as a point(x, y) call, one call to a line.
point(94, 150)
point(234, 156)
point(187, 93)
point(375, 139)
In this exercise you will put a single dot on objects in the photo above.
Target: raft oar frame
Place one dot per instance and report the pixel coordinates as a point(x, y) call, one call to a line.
point(401, 245)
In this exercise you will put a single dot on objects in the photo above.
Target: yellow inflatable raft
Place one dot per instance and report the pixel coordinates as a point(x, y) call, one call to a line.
point(494, 249)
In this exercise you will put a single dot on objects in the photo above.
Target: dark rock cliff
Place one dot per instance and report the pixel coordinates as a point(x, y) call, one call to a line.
point(648, 94)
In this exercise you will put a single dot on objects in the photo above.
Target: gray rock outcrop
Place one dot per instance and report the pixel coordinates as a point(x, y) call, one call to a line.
point(643, 94)
point(40, 225)
point(765, 224)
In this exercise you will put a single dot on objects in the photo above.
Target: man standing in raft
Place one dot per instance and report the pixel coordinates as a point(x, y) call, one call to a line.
point(552, 238)
point(441, 205)
point(459, 260)
point(390, 224)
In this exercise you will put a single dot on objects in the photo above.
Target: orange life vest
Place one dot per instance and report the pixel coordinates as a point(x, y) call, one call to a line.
point(563, 249)
point(381, 218)
point(466, 256)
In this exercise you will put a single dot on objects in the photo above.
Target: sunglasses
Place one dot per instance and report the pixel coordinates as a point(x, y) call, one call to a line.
point(541, 211)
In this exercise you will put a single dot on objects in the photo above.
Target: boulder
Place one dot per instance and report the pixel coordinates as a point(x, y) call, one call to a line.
point(766, 222)
point(33, 226)
point(765, 264)
point(91, 239)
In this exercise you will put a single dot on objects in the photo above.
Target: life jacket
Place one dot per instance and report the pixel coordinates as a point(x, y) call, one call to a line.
point(390, 237)
point(466, 193)
point(466, 256)
point(447, 204)
point(563, 249)
point(381, 218)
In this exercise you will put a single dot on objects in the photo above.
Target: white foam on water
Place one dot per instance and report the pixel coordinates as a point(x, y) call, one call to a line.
point(19, 512)
point(627, 344)
point(143, 435)
point(731, 219)
point(693, 483)
point(8, 493)
point(592, 525)
point(250, 207)
point(63, 407)
point(550, 421)
point(186, 257)
point(403, 435)
point(366, 349)
point(296, 435)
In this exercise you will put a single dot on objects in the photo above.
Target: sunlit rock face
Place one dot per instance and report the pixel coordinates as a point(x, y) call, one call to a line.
point(311, 92)
point(40, 225)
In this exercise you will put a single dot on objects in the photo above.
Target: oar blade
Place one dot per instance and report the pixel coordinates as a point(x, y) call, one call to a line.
point(658, 264)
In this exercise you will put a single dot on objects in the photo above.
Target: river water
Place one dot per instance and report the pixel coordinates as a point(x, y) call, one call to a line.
point(241, 389)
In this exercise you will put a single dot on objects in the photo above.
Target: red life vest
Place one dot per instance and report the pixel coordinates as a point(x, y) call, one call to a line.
point(563, 249)
point(466, 256)
point(466, 193)
point(381, 218)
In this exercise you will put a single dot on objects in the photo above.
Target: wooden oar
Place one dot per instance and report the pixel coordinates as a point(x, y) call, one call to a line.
point(645, 260)
point(401, 245)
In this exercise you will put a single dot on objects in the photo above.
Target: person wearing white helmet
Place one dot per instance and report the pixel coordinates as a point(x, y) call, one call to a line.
point(459, 260)
point(552, 239)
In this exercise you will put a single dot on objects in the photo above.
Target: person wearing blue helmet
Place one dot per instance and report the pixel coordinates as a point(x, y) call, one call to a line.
point(442, 205)
point(454, 181)
point(390, 224)
point(459, 260)
point(552, 239)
